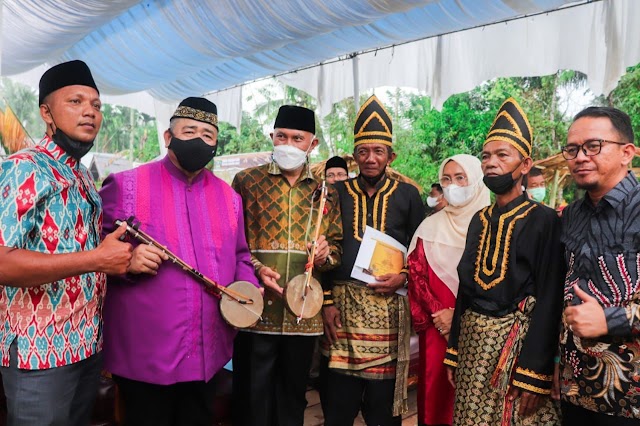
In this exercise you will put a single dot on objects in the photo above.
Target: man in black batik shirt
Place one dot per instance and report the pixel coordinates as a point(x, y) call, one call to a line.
point(600, 340)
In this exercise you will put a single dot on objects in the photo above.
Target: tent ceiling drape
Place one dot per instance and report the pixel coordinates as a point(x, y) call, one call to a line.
point(600, 39)
point(170, 49)
point(174, 48)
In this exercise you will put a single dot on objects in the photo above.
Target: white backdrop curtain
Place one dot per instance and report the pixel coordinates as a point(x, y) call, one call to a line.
point(159, 52)
point(599, 39)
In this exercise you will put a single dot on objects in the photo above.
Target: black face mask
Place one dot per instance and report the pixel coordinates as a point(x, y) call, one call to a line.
point(74, 148)
point(373, 181)
point(192, 154)
point(501, 184)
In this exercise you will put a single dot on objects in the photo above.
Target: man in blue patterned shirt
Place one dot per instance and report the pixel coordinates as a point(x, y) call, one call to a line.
point(52, 264)
point(599, 370)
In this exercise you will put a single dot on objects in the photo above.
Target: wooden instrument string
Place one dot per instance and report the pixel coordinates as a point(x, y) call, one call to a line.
point(210, 284)
point(309, 269)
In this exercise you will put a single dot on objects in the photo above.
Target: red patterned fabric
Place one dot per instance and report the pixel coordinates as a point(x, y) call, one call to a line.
point(49, 204)
point(428, 295)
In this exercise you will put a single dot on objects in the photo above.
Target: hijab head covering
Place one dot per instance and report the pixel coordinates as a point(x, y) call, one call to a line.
point(444, 234)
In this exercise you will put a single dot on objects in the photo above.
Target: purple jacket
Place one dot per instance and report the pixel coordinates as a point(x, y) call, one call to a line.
point(166, 329)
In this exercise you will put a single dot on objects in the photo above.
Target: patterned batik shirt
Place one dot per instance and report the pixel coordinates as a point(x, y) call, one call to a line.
point(603, 259)
point(278, 228)
point(49, 204)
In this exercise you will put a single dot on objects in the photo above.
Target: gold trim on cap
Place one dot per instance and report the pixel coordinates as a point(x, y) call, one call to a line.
point(516, 134)
point(381, 141)
point(362, 132)
point(196, 114)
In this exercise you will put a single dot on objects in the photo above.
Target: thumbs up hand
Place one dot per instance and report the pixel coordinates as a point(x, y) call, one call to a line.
point(586, 320)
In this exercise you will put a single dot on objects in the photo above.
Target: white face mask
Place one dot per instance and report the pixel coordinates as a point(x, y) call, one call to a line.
point(433, 201)
point(288, 157)
point(458, 196)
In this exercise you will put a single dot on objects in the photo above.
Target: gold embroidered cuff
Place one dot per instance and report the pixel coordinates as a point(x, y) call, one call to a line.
point(533, 374)
point(532, 381)
point(531, 388)
point(450, 363)
point(451, 357)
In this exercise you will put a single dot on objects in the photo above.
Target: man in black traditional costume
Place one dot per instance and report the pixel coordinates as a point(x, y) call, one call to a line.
point(367, 325)
point(504, 334)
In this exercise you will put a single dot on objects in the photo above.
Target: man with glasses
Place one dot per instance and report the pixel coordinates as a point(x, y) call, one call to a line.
point(335, 170)
point(598, 374)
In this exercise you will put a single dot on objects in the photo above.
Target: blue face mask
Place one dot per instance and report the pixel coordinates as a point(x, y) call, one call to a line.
point(537, 194)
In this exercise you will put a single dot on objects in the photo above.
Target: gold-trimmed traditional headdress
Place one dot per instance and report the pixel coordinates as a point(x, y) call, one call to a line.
point(199, 109)
point(373, 124)
point(511, 125)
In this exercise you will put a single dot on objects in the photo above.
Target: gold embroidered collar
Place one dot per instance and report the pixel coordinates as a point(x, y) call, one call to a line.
point(494, 248)
point(385, 188)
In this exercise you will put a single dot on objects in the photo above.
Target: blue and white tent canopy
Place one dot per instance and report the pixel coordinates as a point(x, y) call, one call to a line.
point(177, 48)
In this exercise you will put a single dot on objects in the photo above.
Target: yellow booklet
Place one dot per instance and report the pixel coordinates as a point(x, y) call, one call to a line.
point(379, 254)
point(386, 259)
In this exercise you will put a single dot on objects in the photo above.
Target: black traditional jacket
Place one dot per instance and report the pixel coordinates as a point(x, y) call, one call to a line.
point(395, 209)
point(511, 253)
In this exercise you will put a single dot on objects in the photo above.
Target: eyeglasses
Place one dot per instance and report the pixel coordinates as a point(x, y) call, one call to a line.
point(589, 148)
point(459, 180)
point(336, 175)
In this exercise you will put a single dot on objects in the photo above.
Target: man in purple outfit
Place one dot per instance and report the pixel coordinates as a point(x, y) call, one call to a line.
point(164, 336)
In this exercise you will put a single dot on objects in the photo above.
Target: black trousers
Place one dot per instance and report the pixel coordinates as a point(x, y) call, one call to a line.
point(572, 415)
point(270, 376)
point(180, 404)
point(344, 396)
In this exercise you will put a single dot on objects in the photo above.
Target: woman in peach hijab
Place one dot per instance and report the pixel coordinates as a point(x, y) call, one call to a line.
point(434, 253)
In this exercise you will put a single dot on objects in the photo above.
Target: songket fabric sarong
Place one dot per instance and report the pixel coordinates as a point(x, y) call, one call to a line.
point(373, 342)
point(487, 352)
